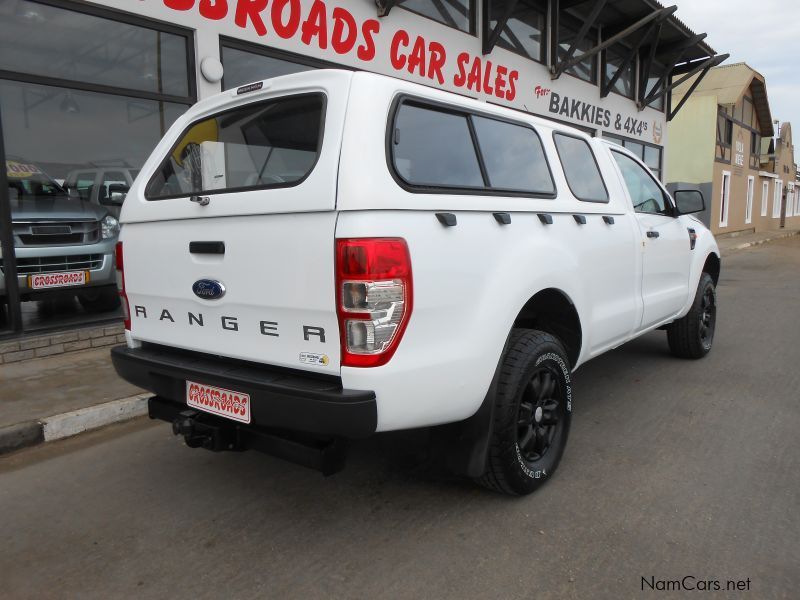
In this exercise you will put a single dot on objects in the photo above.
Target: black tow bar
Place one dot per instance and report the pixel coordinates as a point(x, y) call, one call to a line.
point(202, 430)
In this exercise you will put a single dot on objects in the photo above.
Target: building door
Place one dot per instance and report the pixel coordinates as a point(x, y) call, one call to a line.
point(665, 272)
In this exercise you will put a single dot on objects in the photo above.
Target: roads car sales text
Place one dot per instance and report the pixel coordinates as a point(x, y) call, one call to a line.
point(322, 26)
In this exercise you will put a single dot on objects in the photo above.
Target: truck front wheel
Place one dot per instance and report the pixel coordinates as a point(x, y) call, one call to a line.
point(532, 413)
point(692, 336)
point(102, 299)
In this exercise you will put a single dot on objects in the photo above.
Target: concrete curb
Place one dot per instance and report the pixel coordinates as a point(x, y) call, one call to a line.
point(31, 433)
point(745, 245)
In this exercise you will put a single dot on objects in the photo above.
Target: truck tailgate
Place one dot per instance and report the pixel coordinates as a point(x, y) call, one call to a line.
point(277, 272)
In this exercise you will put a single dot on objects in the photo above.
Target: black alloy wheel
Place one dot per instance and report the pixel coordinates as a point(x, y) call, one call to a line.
point(708, 317)
point(540, 411)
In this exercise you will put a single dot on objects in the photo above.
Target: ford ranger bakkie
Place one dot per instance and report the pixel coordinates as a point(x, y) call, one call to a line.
point(329, 255)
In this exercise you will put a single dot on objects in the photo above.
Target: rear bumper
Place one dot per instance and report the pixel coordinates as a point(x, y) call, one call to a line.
point(280, 399)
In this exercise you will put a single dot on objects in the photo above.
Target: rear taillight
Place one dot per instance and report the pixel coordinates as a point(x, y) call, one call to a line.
point(374, 298)
point(120, 264)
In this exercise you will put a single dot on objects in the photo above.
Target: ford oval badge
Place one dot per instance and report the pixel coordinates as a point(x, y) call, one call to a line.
point(208, 289)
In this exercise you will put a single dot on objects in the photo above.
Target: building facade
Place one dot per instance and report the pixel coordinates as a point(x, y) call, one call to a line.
point(87, 88)
point(724, 142)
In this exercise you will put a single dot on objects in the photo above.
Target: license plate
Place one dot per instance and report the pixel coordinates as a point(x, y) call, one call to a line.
point(218, 401)
point(56, 280)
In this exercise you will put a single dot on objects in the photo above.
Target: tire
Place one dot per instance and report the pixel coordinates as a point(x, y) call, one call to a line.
point(99, 300)
point(693, 335)
point(531, 424)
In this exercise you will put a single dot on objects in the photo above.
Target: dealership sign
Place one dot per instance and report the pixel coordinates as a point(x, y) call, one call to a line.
point(396, 45)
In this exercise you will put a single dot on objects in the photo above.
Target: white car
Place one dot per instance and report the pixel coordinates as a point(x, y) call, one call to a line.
point(329, 255)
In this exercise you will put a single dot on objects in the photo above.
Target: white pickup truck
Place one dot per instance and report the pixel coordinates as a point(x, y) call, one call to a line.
point(327, 255)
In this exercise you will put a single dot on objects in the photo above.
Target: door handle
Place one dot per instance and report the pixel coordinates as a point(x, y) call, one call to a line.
point(207, 247)
point(653, 234)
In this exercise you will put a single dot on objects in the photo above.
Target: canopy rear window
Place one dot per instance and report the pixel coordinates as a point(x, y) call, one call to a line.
point(269, 144)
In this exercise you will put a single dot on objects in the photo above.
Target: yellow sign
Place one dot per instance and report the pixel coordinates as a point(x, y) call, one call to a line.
point(18, 170)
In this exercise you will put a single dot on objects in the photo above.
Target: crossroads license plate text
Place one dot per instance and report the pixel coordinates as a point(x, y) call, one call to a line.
point(218, 401)
point(56, 280)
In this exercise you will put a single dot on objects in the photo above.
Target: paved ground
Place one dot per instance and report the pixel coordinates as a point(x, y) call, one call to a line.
point(43, 387)
point(673, 469)
point(747, 240)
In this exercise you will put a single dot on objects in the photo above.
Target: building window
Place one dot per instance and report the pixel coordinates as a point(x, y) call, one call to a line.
point(656, 72)
point(724, 137)
point(747, 112)
point(764, 198)
point(648, 154)
point(748, 208)
point(525, 30)
point(725, 198)
point(567, 32)
point(48, 41)
point(614, 57)
point(245, 63)
point(755, 150)
point(459, 14)
point(85, 95)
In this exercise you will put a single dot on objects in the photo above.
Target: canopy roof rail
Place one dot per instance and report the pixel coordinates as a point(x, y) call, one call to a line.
point(569, 61)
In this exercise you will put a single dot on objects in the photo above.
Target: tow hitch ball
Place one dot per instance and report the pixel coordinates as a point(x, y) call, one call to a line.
point(200, 435)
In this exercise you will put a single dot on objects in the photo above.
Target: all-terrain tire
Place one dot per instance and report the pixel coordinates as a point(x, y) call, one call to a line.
point(533, 398)
point(693, 335)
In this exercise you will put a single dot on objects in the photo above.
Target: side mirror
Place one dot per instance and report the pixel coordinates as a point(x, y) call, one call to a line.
point(689, 201)
point(116, 194)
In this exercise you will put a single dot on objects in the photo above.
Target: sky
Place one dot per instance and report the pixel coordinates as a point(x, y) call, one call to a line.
point(763, 33)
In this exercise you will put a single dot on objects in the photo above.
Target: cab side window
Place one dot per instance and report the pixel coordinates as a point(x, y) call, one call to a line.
point(84, 183)
point(580, 168)
point(645, 193)
point(437, 147)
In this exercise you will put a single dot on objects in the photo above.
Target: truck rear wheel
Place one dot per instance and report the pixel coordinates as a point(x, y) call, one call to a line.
point(532, 413)
point(692, 336)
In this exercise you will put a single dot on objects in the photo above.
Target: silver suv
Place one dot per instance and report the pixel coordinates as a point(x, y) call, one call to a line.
point(64, 245)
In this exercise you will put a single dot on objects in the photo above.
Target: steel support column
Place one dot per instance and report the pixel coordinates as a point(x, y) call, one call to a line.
point(490, 38)
point(7, 245)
